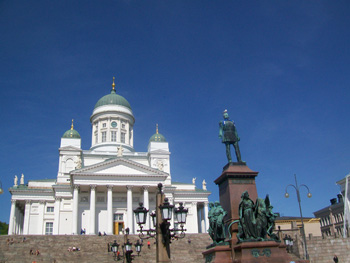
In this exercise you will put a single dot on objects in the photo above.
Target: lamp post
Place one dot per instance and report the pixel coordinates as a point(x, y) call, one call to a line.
point(160, 219)
point(128, 251)
point(297, 189)
point(126, 248)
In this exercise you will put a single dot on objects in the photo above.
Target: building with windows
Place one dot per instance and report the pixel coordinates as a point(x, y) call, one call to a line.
point(291, 225)
point(96, 190)
point(332, 217)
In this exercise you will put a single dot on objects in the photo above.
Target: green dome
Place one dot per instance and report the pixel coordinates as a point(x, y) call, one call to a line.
point(71, 134)
point(157, 137)
point(113, 99)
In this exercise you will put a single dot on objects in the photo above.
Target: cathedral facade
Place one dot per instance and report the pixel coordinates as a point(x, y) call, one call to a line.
point(96, 190)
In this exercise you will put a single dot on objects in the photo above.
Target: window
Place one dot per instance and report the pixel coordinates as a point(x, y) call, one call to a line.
point(49, 209)
point(123, 125)
point(118, 217)
point(96, 138)
point(49, 228)
point(113, 136)
point(122, 137)
point(104, 136)
point(104, 125)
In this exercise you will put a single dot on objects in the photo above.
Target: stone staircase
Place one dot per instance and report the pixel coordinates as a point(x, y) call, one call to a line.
point(322, 250)
point(94, 249)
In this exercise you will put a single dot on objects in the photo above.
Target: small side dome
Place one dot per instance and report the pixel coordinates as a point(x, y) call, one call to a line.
point(113, 99)
point(157, 137)
point(71, 133)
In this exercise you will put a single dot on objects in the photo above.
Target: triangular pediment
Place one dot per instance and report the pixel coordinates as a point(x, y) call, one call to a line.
point(119, 166)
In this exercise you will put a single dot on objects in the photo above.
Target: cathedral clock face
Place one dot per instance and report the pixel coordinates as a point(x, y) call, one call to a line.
point(114, 124)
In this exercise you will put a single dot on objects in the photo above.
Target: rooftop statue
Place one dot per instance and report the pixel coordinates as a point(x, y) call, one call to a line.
point(228, 134)
point(15, 181)
point(22, 179)
point(204, 185)
point(216, 223)
point(256, 221)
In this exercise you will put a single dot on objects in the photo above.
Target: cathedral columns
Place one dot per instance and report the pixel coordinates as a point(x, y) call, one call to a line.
point(146, 204)
point(19, 222)
point(16, 222)
point(202, 219)
point(195, 217)
point(26, 217)
point(92, 230)
point(130, 219)
point(109, 210)
point(12, 217)
point(206, 217)
point(75, 210)
point(56, 210)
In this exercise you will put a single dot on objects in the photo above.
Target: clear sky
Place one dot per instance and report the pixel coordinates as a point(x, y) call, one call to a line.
point(280, 68)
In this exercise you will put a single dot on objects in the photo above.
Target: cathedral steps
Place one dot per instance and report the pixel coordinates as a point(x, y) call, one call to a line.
point(94, 249)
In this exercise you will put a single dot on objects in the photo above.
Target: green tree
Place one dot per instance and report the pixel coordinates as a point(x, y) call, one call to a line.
point(4, 227)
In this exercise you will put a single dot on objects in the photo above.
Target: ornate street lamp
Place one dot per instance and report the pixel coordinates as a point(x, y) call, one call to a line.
point(115, 247)
point(140, 214)
point(161, 224)
point(181, 214)
point(138, 247)
point(166, 210)
point(126, 248)
point(297, 189)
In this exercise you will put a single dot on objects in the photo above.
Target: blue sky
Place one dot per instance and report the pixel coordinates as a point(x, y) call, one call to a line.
point(281, 69)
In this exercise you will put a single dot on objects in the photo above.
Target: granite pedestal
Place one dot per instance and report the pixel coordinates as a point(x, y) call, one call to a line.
point(233, 181)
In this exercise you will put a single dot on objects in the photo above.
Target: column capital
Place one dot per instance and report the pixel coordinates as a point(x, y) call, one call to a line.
point(58, 198)
point(129, 187)
point(76, 186)
point(93, 186)
point(206, 203)
point(194, 203)
point(145, 187)
point(28, 202)
point(42, 201)
point(110, 187)
point(13, 201)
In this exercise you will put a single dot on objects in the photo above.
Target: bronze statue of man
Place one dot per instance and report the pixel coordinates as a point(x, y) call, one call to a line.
point(228, 134)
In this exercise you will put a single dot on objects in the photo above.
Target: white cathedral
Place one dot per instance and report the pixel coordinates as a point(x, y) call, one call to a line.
point(96, 190)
